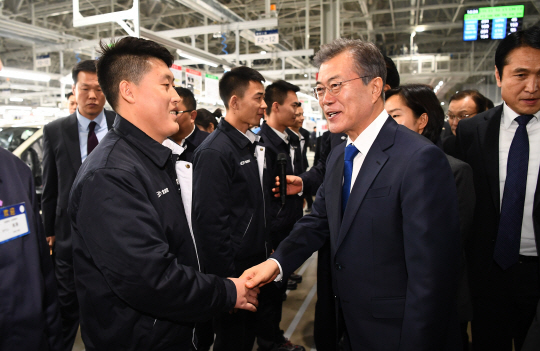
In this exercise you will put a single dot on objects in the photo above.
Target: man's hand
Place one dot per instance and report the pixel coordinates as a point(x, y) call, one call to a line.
point(294, 185)
point(50, 241)
point(246, 298)
point(261, 274)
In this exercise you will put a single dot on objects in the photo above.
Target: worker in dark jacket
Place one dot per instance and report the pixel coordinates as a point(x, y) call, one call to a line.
point(135, 260)
point(228, 203)
point(29, 315)
point(282, 103)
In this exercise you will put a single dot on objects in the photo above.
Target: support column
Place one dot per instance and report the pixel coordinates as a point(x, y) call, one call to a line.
point(330, 21)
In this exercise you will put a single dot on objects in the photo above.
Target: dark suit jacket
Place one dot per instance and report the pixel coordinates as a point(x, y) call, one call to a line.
point(29, 317)
point(478, 144)
point(532, 341)
point(192, 142)
point(61, 161)
point(395, 254)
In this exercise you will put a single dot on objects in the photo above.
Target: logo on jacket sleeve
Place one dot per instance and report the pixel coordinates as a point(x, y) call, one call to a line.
point(245, 162)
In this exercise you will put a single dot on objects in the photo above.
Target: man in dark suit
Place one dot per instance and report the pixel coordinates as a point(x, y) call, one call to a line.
point(296, 132)
point(395, 239)
point(67, 142)
point(30, 319)
point(502, 147)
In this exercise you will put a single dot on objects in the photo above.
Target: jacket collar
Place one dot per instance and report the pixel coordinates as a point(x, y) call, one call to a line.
point(270, 135)
point(156, 152)
point(234, 134)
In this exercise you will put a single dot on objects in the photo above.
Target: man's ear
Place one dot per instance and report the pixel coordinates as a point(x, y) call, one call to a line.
point(73, 89)
point(126, 92)
point(377, 87)
point(193, 116)
point(498, 77)
point(234, 102)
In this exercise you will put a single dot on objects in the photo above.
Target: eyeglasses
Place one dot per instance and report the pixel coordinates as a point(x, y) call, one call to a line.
point(334, 89)
point(459, 117)
point(180, 112)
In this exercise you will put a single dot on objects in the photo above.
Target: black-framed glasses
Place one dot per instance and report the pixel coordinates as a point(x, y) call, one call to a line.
point(334, 89)
point(180, 112)
point(451, 117)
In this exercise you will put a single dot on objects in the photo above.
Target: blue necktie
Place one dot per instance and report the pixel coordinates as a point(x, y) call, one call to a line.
point(350, 153)
point(508, 241)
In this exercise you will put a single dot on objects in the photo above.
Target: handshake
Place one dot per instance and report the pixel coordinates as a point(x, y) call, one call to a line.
point(247, 286)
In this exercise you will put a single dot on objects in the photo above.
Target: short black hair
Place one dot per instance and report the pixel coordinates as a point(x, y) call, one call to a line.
point(127, 59)
point(277, 92)
point(187, 98)
point(479, 99)
point(205, 118)
point(420, 98)
point(392, 74)
point(83, 66)
point(529, 37)
point(68, 95)
point(236, 81)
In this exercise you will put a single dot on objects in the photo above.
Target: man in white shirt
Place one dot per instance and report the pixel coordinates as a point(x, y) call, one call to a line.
point(388, 205)
point(502, 145)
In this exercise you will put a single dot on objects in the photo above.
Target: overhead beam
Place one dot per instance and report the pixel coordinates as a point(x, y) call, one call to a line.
point(226, 27)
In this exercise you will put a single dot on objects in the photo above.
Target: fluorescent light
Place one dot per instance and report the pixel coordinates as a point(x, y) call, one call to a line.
point(420, 28)
point(442, 103)
point(16, 99)
point(24, 74)
point(263, 52)
point(196, 58)
point(67, 79)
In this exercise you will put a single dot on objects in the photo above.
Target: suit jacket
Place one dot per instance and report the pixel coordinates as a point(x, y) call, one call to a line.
point(477, 144)
point(463, 176)
point(306, 136)
point(61, 162)
point(395, 253)
point(30, 319)
point(280, 219)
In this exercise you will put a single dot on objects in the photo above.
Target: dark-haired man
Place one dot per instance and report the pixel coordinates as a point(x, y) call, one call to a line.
point(462, 105)
point(228, 207)
point(282, 103)
point(136, 265)
point(72, 103)
point(66, 144)
point(502, 147)
point(388, 205)
point(189, 137)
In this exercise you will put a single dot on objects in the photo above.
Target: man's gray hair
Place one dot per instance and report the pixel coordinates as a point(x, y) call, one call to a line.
point(368, 60)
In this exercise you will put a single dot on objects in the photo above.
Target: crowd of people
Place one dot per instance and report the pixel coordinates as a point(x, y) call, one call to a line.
point(173, 231)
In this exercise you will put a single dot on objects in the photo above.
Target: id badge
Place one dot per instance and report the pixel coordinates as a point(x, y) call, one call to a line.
point(13, 222)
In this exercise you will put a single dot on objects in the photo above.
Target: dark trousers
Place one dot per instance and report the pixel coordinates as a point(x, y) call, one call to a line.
point(507, 309)
point(269, 314)
point(235, 331)
point(532, 342)
point(205, 335)
point(68, 302)
point(325, 330)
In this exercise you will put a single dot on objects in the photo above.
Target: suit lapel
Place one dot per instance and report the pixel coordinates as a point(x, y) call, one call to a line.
point(333, 187)
point(372, 165)
point(488, 135)
point(71, 138)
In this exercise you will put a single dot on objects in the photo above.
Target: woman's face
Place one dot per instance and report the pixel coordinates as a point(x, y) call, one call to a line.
point(402, 114)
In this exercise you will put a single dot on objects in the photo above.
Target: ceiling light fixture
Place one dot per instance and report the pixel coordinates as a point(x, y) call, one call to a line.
point(24, 74)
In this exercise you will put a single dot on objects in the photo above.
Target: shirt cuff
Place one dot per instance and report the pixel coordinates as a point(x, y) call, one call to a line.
point(280, 275)
point(301, 192)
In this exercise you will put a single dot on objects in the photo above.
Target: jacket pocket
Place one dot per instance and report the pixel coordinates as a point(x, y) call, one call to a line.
point(387, 307)
point(378, 192)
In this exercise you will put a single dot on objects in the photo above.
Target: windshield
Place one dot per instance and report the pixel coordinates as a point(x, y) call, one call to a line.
point(12, 137)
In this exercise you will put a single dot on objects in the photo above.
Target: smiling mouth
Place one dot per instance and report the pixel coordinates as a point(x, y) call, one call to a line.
point(331, 114)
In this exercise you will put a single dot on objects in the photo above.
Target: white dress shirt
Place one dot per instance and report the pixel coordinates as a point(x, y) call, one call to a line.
point(507, 131)
point(363, 143)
